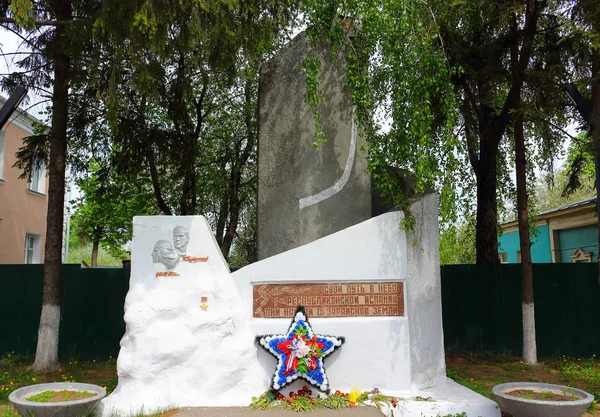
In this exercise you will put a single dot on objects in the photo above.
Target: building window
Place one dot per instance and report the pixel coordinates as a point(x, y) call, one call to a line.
point(33, 248)
point(518, 256)
point(2, 154)
point(503, 256)
point(38, 180)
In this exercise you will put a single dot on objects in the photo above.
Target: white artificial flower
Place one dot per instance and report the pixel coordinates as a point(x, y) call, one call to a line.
point(302, 349)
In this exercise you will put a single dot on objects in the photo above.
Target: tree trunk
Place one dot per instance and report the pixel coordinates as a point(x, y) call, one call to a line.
point(187, 202)
point(46, 356)
point(95, 246)
point(595, 124)
point(234, 209)
point(222, 219)
point(529, 344)
point(162, 205)
point(486, 235)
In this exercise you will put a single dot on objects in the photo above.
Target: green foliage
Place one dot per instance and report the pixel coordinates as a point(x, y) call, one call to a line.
point(481, 371)
point(457, 243)
point(16, 372)
point(182, 115)
point(105, 211)
point(244, 249)
point(305, 402)
point(471, 384)
point(33, 155)
point(580, 168)
point(22, 11)
point(12, 376)
point(551, 196)
point(582, 372)
point(397, 72)
point(79, 253)
point(213, 35)
point(436, 92)
point(144, 80)
point(49, 395)
point(8, 412)
point(573, 183)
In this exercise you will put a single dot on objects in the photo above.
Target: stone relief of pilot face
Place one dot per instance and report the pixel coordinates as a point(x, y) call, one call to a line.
point(181, 238)
point(165, 253)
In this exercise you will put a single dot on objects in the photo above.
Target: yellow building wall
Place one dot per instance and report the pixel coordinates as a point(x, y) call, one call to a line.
point(22, 211)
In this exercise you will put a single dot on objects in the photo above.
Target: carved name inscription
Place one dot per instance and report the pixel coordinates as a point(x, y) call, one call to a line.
point(330, 300)
point(192, 259)
point(167, 274)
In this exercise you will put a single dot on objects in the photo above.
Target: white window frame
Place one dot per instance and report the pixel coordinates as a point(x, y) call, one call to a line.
point(38, 180)
point(32, 248)
point(503, 256)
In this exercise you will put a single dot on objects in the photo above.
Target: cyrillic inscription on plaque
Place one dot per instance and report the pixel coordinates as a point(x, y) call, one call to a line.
point(354, 299)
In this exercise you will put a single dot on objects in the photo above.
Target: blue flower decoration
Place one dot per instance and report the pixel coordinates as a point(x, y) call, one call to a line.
point(300, 353)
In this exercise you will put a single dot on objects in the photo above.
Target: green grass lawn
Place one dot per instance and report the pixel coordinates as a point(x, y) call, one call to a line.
point(15, 373)
point(481, 371)
point(477, 371)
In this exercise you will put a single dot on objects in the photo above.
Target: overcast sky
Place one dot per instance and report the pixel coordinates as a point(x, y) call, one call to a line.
point(11, 43)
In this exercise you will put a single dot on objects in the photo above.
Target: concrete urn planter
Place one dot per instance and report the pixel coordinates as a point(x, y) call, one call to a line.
point(524, 407)
point(75, 408)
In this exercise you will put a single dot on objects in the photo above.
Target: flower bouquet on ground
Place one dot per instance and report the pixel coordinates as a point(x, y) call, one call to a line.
point(303, 400)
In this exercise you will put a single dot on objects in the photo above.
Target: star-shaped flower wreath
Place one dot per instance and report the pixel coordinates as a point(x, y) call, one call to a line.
point(300, 353)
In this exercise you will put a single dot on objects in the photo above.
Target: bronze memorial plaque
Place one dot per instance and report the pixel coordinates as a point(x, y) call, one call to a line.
point(349, 299)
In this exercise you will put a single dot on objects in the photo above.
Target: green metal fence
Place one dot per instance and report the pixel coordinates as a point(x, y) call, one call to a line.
point(92, 310)
point(481, 309)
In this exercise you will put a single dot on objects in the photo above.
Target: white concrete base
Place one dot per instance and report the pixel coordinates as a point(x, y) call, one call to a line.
point(450, 398)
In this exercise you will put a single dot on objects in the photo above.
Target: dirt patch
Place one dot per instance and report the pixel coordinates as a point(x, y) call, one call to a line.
point(541, 396)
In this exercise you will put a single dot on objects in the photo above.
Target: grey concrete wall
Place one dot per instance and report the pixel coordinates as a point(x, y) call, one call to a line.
point(290, 169)
point(424, 296)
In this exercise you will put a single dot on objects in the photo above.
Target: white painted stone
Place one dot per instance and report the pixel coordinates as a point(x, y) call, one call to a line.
point(402, 356)
point(447, 398)
point(377, 352)
point(174, 353)
point(424, 296)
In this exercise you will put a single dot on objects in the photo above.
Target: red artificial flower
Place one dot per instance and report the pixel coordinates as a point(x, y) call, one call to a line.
point(314, 343)
point(294, 364)
point(285, 346)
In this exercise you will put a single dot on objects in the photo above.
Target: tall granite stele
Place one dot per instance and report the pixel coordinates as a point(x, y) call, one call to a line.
point(306, 193)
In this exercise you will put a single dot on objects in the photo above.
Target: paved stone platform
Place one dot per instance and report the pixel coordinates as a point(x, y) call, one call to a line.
point(245, 412)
